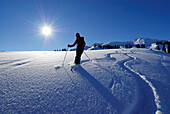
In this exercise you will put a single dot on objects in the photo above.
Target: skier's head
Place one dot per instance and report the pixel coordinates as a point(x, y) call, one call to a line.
point(77, 35)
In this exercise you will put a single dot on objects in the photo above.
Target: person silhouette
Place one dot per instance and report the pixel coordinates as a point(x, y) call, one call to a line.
point(80, 47)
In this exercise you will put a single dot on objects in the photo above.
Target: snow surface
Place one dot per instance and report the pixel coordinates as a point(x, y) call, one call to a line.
point(118, 81)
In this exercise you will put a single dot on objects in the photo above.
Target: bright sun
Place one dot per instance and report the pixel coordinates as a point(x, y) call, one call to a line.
point(46, 30)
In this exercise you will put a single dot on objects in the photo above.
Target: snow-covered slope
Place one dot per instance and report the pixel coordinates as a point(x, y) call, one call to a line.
point(117, 81)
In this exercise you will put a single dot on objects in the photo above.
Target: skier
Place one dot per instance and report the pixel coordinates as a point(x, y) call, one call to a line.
point(80, 47)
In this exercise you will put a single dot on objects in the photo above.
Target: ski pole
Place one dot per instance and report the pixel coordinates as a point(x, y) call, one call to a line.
point(65, 56)
point(87, 56)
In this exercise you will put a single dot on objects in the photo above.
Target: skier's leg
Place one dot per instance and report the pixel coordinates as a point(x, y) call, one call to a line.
point(78, 56)
point(81, 52)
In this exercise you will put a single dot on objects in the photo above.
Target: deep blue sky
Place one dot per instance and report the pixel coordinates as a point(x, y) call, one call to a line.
point(97, 20)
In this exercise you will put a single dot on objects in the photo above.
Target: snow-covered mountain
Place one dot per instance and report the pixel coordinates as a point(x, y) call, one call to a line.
point(146, 41)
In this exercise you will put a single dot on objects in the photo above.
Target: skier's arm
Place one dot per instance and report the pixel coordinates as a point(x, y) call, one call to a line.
point(73, 44)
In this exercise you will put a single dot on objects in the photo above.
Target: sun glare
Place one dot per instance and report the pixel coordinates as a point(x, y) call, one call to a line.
point(46, 30)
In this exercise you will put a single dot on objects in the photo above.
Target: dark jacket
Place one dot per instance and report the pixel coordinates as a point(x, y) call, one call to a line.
point(80, 43)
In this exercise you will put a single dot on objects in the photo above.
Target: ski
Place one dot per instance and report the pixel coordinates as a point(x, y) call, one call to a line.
point(74, 67)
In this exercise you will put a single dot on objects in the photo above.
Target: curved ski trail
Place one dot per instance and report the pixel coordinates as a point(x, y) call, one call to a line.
point(156, 96)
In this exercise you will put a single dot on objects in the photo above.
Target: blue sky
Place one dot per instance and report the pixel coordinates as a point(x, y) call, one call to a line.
point(98, 21)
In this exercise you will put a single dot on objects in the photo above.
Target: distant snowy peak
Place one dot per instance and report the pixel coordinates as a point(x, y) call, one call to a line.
point(146, 41)
point(139, 41)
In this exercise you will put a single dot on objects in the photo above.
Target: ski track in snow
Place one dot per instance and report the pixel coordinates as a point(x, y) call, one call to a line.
point(156, 96)
point(17, 62)
point(21, 63)
point(8, 62)
point(128, 109)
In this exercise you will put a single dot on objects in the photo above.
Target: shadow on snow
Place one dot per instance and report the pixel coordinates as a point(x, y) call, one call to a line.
point(101, 89)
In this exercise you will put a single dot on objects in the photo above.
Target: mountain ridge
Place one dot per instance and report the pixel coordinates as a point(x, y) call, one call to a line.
point(139, 41)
